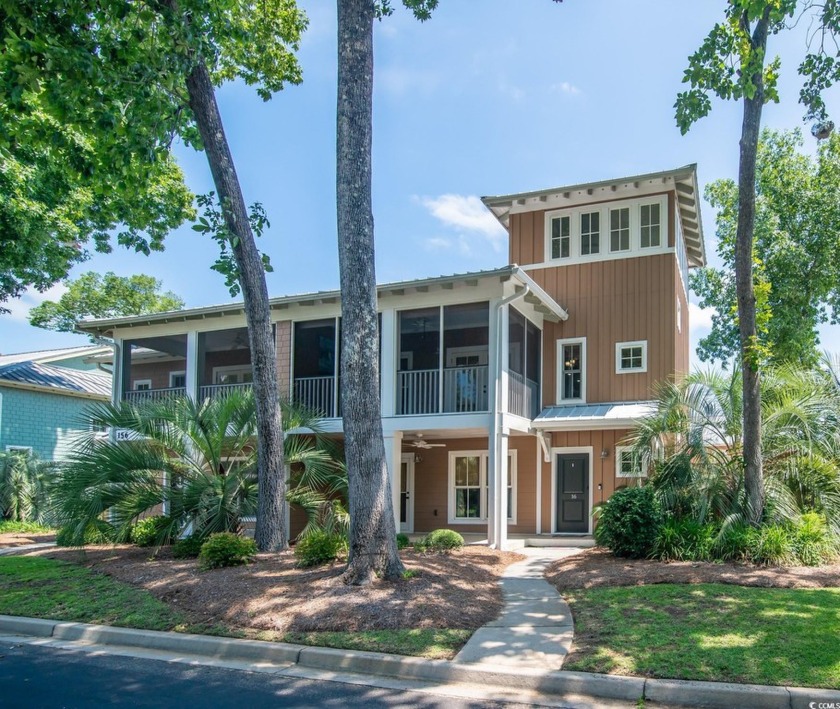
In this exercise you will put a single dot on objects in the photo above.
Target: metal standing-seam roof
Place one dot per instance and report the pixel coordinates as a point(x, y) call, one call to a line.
point(63, 379)
point(614, 415)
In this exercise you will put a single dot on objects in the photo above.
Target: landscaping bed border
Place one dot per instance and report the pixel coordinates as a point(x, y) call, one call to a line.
point(550, 682)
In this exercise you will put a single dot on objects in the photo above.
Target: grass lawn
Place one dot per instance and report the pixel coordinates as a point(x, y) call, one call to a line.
point(709, 632)
point(38, 587)
point(9, 527)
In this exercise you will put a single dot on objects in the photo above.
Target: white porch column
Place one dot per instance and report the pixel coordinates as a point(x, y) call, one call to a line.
point(388, 363)
point(118, 373)
point(393, 459)
point(193, 376)
point(501, 492)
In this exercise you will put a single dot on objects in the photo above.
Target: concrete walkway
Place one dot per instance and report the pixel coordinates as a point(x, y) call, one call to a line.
point(9, 551)
point(534, 629)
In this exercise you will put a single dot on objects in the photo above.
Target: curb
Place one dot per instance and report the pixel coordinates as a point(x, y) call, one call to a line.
point(714, 695)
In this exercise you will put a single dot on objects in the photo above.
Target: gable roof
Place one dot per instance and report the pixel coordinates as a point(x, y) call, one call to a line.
point(58, 380)
point(55, 355)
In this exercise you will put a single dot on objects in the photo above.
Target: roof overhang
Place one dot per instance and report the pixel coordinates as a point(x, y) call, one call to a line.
point(682, 180)
point(536, 296)
point(57, 391)
point(585, 417)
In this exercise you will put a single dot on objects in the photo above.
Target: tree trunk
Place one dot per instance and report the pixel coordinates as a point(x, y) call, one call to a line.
point(373, 549)
point(750, 128)
point(271, 472)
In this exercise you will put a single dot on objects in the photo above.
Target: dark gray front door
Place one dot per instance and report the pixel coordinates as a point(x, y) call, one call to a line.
point(573, 493)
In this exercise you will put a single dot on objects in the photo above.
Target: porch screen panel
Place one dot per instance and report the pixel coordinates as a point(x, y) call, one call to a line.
point(533, 367)
point(517, 390)
point(466, 332)
point(418, 372)
point(314, 365)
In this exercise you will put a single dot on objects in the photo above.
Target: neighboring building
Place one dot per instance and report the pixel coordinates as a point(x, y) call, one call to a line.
point(505, 393)
point(43, 396)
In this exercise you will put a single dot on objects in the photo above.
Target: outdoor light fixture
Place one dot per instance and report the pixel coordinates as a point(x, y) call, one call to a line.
point(418, 458)
point(605, 453)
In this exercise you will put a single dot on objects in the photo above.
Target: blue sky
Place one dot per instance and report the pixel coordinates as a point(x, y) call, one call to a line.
point(488, 97)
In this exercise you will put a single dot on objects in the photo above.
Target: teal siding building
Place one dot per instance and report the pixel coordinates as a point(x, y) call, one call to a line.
point(43, 397)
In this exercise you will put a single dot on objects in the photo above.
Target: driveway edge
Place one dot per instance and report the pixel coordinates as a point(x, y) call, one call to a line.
point(715, 695)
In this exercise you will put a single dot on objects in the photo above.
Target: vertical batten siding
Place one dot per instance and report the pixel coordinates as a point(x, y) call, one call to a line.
point(283, 334)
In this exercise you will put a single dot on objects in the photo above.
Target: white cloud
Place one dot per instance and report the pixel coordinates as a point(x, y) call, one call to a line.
point(700, 318)
point(19, 307)
point(466, 215)
point(564, 87)
point(438, 243)
point(400, 81)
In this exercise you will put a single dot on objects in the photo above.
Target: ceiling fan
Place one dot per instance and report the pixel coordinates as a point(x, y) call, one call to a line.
point(418, 442)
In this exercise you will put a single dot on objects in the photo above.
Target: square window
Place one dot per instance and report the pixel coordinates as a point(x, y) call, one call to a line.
point(620, 229)
point(628, 464)
point(631, 357)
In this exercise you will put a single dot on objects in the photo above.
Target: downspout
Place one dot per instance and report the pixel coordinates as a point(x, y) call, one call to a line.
point(495, 538)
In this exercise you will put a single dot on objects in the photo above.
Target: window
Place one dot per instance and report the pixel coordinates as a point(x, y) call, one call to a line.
point(177, 380)
point(631, 357)
point(650, 225)
point(20, 450)
point(561, 237)
point(628, 464)
point(590, 233)
point(468, 483)
point(142, 384)
point(620, 229)
point(238, 374)
point(572, 377)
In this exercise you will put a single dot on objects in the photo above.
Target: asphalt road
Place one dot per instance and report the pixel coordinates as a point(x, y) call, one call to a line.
point(33, 677)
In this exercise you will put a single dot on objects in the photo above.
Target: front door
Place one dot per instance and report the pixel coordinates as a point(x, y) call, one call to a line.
point(573, 494)
point(407, 493)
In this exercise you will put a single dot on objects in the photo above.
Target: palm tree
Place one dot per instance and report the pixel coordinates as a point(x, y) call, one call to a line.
point(197, 460)
point(693, 444)
point(24, 487)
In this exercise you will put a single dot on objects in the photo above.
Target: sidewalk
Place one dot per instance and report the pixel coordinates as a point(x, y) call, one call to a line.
point(9, 551)
point(535, 627)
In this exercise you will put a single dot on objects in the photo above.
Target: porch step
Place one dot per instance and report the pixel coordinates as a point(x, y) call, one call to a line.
point(582, 540)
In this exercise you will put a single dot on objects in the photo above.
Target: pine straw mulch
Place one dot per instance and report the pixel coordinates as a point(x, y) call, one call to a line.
point(596, 567)
point(19, 539)
point(454, 590)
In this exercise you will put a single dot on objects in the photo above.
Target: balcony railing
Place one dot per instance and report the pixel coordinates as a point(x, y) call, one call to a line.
point(523, 396)
point(316, 393)
point(138, 395)
point(213, 391)
point(464, 391)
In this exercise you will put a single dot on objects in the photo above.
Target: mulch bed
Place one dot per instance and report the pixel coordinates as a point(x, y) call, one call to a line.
point(454, 590)
point(19, 539)
point(598, 567)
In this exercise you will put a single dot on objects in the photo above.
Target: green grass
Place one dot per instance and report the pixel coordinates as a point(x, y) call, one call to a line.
point(709, 632)
point(46, 588)
point(8, 526)
point(436, 644)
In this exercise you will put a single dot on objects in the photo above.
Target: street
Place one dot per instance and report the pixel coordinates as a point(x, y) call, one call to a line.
point(33, 677)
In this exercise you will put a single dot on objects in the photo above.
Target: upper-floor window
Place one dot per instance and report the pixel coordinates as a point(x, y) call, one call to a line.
point(590, 233)
point(177, 380)
point(620, 229)
point(571, 356)
point(650, 225)
point(561, 237)
point(631, 357)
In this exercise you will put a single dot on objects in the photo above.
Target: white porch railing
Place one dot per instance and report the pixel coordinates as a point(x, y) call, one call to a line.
point(138, 395)
point(418, 392)
point(316, 393)
point(465, 389)
point(523, 396)
point(212, 391)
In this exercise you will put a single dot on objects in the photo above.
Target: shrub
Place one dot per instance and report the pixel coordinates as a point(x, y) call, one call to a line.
point(734, 543)
point(629, 522)
point(813, 544)
point(772, 545)
point(188, 547)
point(684, 540)
point(402, 541)
point(443, 540)
point(319, 547)
point(226, 549)
point(8, 526)
point(151, 531)
point(97, 533)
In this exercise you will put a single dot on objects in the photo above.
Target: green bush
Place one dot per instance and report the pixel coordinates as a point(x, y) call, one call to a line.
point(629, 522)
point(97, 533)
point(684, 540)
point(402, 541)
point(319, 547)
point(151, 531)
point(226, 549)
point(443, 540)
point(188, 547)
point(813, 543)
point(8, 526)
point(772, 545)
point(734, 543)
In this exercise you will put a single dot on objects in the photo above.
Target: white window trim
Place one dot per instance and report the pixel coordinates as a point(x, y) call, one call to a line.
point(137, 382)
point(231, 369)
point(19, 449)
point(172, 375)
point(483, 457)
point(633, 226)
point(605, 253)
point(559, 356)
point(637, 370)
point(618, 474)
